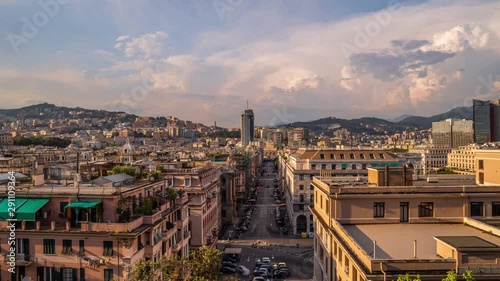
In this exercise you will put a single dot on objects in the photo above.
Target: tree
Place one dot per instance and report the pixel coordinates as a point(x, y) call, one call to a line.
point(204, 264)
point(468, 276)
point(122, 169)
point(452, 276)
point(408, 278)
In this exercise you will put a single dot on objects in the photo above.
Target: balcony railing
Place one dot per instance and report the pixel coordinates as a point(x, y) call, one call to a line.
point(480, 270)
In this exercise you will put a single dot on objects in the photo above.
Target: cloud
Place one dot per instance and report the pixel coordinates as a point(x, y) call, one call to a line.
point(146, 46)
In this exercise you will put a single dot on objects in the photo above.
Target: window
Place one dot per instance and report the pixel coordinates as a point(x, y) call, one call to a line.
point(362, 156)
point(378, 209)
point(476, 209)
point(301, 177)
point(67, 247)
point(82, 273)
point(108, 274)
point(481, 178)
point(81, 252)
point(322, 156)
point(426, 209)
point(495, 209)
point(301, 198)
point(311, 177)
point(323, 166)
point(313, 166)
point(342, 156)
point(382, 156)
point(49, 246)
point(351, 156)
point(353, 167)
point(301, 187)
point(311, 198)
point(332, 156)
point(108, 248)
point(169, 182)
point(363, 166)
point(481, 164)
point(311, 187)
point(187, 182)
point(372, 156)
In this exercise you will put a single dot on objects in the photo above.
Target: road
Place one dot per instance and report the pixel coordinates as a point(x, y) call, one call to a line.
point(273, 244)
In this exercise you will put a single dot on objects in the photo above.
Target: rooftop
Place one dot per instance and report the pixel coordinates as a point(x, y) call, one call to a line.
point(395, 241)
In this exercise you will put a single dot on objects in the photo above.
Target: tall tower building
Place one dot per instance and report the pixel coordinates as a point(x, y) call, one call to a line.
point(247, 127)
point(452, 133)
point(486, 115)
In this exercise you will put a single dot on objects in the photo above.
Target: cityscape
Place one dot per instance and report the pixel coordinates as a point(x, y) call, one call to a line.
point(250, 140)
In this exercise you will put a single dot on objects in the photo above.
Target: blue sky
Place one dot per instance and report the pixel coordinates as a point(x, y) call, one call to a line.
point(292, 59)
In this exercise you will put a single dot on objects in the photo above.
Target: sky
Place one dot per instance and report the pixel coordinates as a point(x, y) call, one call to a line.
point(293, 60)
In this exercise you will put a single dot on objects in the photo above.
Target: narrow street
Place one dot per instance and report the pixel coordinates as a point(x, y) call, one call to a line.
point(263, 237)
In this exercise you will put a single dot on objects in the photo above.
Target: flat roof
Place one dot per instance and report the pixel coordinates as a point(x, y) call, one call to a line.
point(466, 242)
point(395, 241)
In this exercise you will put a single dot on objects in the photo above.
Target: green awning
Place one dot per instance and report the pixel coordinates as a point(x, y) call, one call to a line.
point(394, 164)
point(374, 164)
point(344, 166)
point(4, 207)
point(25, 208)
point(82, 204)
point(29, 208)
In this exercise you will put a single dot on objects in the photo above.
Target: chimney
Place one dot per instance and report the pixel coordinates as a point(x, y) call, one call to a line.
point(387, 176)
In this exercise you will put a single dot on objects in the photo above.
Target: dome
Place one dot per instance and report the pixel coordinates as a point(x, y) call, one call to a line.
point(127, 147)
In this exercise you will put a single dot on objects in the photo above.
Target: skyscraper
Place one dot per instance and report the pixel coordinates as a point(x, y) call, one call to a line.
point(452, 133)
point(247, 127)
point(486, 115)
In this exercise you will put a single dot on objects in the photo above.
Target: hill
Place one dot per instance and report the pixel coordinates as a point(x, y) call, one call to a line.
point(463, 112)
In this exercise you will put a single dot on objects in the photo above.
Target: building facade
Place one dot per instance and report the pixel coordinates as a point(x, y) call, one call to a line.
point(486, 115)
point(452, 133)
point(463, 159)
point(366, 233)
point(92, 232)
point(247, 127)
point(488, 167)
point(297, 168)
point(203, 188)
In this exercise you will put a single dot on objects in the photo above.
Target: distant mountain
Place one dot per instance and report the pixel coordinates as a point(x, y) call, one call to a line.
point(369, 125)
point(377, 126)
point(463, 112)
point(399, 118)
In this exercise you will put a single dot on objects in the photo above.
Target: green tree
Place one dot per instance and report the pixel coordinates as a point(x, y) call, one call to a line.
point(468, 276)
point(408, 278)
point(204, 264)
point(452, 276)
point(122, 169)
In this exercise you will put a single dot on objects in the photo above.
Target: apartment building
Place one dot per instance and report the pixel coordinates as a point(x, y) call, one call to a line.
point(297, 169)
point(452, 133)
point(463, 158)
point(202, 186)
point(92, 232)
point(376, 232)
point(432, 158)
point(488, 167)
point(6, 139)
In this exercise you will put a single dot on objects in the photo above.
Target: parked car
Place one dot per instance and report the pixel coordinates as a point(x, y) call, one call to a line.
point(243, 270)
point(227, 270)
point(282, 274)
point(228, 259)
point(228, 264)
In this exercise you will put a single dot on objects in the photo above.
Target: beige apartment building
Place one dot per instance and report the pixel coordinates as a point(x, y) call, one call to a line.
point(298, 168)
point(488, 167)
point(203, 188)
point(377, 232)
point(432, 158)
point(463, 158)
point(91, 232)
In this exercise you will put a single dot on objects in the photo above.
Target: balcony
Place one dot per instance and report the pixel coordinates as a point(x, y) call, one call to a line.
point(20, 259)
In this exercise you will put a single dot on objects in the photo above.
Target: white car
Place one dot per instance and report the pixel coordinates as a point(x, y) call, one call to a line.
point(266, 260)
point(243, 270)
